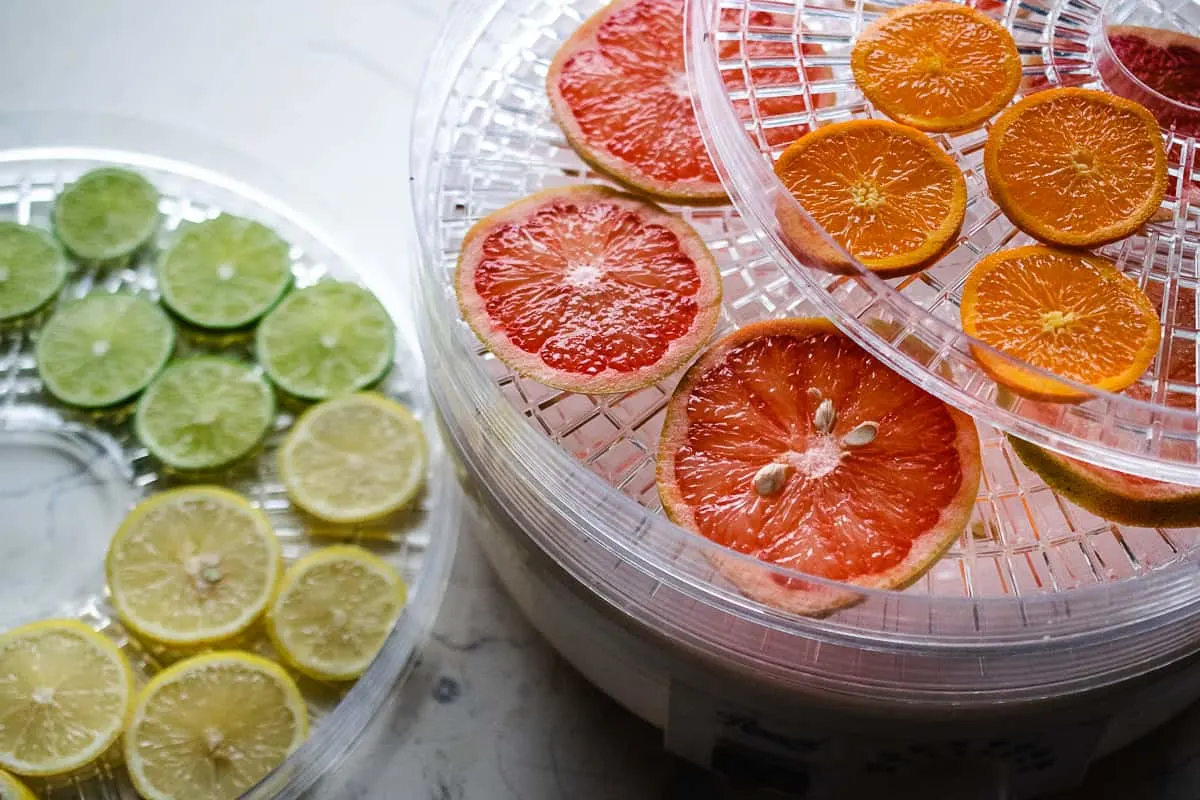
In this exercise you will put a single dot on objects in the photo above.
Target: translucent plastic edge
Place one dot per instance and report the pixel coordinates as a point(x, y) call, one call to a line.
point(341, 728)
point(536, 476)
point(748, 179)
point(1103, 44)
point(591, 507)
point(952, 676)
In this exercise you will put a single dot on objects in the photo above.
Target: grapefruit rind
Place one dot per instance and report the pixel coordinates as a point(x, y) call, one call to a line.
point(1009, 65)
point(596, 156)
point(760, 580)
point(473, 306)
point(1111, 494)
point(1031, 223)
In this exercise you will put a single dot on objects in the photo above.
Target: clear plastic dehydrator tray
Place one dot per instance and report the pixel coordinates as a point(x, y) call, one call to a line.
point(1037, 598)
point(1151, 429)
point(68, 478)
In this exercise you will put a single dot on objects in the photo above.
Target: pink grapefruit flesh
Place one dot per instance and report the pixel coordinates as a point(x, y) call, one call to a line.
point(1165, 62)
point(588, 289)
point(870, 491)
point(619, 91)
point(618, 88)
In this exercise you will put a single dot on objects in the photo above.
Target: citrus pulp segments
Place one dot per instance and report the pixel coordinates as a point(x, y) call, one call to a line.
point(920, 303)
point(621, 74)
point(193, 566)
point(210, 710)
point(326, 340)
point(885, 192)
point(1113, 495)
point(587, 289)
point(1067, 312)
point(895, 497)
point(205, 413)
point(104, 349)
point(334, 610)
point(224, 273)
point(32, 270)
point(353, 459)
point(106, 215)
point(13, 789)
point(66, 693)
point(1076, 167)
point(937, 66)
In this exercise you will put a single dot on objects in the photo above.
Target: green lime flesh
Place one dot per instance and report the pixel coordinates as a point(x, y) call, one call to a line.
point(205, 413)
point(106, 215)
point(327, 340)
point(32, 270)
point(104, 349)
point(224, 273)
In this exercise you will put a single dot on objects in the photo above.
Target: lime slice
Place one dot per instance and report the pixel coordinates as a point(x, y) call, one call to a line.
point(104, 349)
point(205, 413)
point(326, 340)
point(212, 726)
point(13, 789)
point(67, 692)
point(334, 611)
point(106, 215)
point(32, 270)
point(224, 273)
point(193, 566)
point(354, 459)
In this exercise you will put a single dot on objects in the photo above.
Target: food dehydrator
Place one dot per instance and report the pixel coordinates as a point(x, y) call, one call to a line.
point(1046, 637)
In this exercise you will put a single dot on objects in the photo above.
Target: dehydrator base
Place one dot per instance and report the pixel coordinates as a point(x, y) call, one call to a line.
point(821, 746)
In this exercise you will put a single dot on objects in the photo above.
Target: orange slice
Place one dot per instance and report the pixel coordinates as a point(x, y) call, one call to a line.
point(883, 191)
point(1076, 167)
point(587, 289)
point(937, 66)
point(1070, 313)
point(788, 442)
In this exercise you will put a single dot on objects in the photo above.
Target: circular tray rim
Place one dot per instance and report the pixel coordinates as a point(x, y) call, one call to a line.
point(745, 173)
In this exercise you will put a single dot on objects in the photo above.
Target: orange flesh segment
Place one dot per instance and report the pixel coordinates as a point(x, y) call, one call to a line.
point(588, 286)
point(937, 66)
point(843, 512)
point(1070, 313)
point(629, 93)
point(1077, 167)
point(884, 192)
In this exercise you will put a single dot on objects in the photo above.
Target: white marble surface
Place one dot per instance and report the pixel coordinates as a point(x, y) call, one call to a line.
point(317, 95)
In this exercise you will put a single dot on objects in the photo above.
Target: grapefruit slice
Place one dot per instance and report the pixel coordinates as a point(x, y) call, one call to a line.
point(618, 88)
point(788, 442)
point(1159, 69)
point(587, 289)
point(1116, 496)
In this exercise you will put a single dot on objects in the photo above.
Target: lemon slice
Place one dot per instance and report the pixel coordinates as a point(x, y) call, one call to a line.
point(354, 459)
point(212, 726)
point(193, 566)
point(65, 694)
point(13, 789)
point(334, 611)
